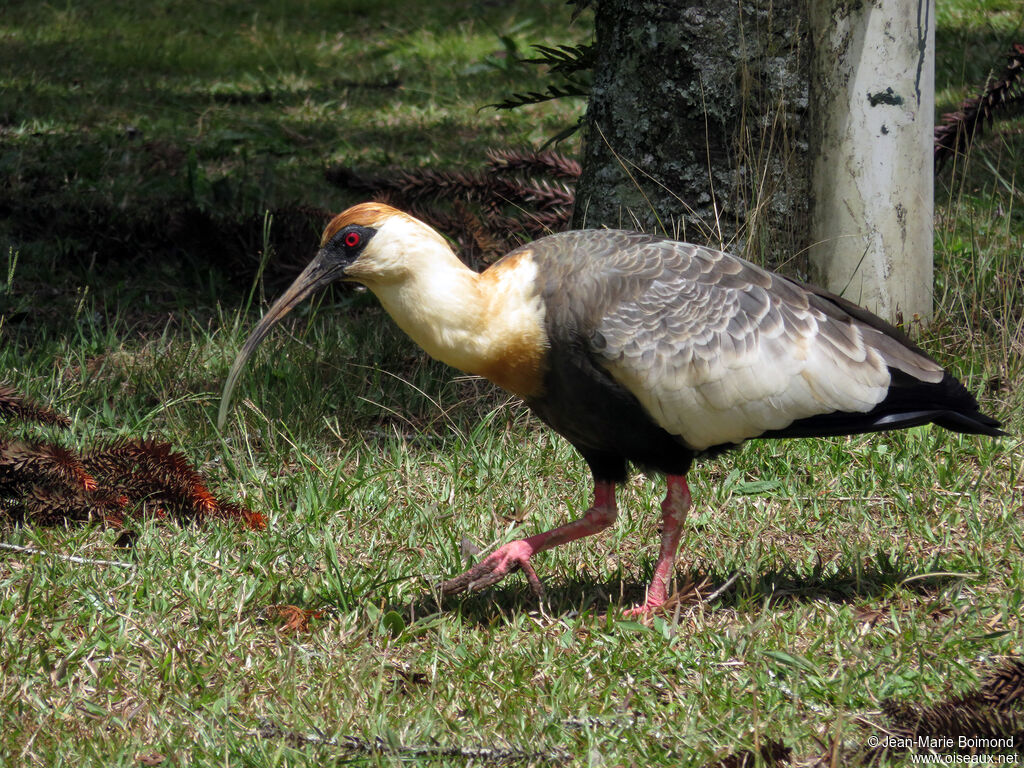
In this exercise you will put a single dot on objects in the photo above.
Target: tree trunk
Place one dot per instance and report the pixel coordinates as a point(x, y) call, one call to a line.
point(695, 125)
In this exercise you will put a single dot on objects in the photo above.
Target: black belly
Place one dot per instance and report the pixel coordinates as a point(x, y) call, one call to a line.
point(605, 422)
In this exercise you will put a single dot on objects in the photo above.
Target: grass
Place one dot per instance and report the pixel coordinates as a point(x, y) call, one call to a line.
point(867, 568)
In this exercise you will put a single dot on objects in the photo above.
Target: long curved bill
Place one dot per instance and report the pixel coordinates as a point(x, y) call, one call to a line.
point(314, 276)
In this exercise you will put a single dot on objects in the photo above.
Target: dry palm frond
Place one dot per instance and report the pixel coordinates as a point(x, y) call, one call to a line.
point(54, 506)
point(229, 510)
point(959, 128)
point(994, 712)
point(952, 720)
point(47, 483)
point(150, 472)
point(14, 404)
point(1004, 688)
point(544, 163)
point(23, 465)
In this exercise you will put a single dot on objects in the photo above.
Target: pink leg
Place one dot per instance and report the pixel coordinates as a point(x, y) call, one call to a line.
point(517, 554)
point(673, 513)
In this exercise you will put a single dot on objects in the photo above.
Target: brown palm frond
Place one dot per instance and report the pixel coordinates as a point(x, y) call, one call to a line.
point(477, 241)
point(52, 506)
point(432, 184)
point(1005, 687)
point(25, 464)
point(992, 712)
point(411, 186)
point(14, 404)
point(948, 722)
point(958, 128)
point(46, 482)
point(543, 163)
point(154, 475)
point(533, 225)
point(68, 466)
point(229, 510)
point(537, 193)
point(150, 468)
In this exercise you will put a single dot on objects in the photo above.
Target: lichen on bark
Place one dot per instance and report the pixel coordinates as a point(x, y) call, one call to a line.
point(696, 123)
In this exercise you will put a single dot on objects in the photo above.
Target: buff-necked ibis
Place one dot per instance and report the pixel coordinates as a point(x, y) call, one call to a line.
point(639, 350)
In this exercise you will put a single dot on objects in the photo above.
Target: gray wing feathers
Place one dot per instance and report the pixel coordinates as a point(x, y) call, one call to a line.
point(719, 350)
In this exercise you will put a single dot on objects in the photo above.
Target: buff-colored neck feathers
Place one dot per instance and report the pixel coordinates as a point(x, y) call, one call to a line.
point(490, 324)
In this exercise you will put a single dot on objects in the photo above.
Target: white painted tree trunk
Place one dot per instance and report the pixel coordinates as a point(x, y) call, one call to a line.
point(873, 105)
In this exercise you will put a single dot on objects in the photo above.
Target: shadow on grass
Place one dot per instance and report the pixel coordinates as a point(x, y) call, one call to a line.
point(746, 593)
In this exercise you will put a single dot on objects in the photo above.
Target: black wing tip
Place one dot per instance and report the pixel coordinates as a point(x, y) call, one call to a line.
point(843, 423)
point(970, 423)
point(948, 403)
point(962, 412)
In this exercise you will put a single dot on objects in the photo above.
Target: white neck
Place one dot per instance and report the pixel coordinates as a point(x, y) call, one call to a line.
point(442, 310)
point(490, 324)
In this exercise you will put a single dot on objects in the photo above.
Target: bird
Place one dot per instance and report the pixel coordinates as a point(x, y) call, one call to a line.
point(643, 352)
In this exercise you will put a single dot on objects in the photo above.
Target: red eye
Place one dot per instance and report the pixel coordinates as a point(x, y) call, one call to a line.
point(352, 239)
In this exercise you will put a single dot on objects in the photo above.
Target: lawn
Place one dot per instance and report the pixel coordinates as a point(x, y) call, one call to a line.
point(165, 177)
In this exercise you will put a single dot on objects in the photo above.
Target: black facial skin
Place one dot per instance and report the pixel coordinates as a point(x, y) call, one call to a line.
point(347, 244)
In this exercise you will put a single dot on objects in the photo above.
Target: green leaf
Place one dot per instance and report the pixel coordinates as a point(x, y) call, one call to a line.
point(633, 626)
point(756, 487)
point(794, 660)
point(393, 623)
point(989, 636)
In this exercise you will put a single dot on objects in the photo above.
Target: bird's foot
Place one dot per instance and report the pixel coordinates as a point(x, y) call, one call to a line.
point(647, 608)
point(496, 566)
point(517, 554)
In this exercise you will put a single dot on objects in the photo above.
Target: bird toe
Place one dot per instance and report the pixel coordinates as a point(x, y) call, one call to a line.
point(645, 609)
point(513, 556)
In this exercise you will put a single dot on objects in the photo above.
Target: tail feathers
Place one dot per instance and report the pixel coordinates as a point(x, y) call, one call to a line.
point(975, 423)
point(910, 403)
